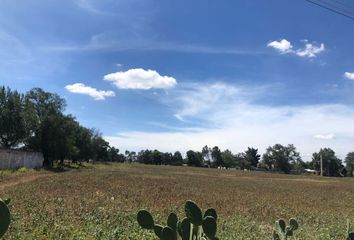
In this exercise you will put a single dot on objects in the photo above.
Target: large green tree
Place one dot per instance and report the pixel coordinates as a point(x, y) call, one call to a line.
point(349, 161)
point(177, 159)
point(194, 158)
point(58, 136)
point(252, 156)
point(15, 118)
point(216, 156)
point(331, 163)
point(281, 157)
point(47, 114)
point(83, 143)
point(228, 159)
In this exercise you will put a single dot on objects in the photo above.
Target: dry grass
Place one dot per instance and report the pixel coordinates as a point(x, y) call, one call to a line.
point(101, 202)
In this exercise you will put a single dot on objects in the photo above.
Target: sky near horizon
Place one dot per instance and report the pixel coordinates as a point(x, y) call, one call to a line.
point(178, 75)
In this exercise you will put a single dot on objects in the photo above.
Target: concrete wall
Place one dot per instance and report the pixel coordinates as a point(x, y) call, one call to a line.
point(12, 159)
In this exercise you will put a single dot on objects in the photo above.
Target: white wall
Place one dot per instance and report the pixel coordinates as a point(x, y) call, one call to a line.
point(12, 159)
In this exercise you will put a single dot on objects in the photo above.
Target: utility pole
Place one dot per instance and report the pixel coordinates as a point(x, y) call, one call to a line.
point(321, 165)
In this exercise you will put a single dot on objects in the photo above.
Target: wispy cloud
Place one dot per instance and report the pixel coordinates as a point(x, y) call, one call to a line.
point(88, 5)
point(232, 117)
point(13, 49)
point(108, 41)
point(139, 78)
point(310, 50)
point(81, 88)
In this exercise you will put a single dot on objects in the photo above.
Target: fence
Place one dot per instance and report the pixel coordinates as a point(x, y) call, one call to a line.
point(13, 159)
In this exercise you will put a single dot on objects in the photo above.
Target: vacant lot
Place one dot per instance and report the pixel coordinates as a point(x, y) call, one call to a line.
point(101, 201)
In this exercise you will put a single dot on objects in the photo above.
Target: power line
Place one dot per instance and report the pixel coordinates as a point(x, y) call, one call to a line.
point(339, 6)
point(342, 7)
point(333, 8)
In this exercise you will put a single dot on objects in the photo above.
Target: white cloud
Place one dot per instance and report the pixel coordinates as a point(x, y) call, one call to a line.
point(81, 88)
point(283, 46)
point(349, 75)
point(232, 117)
point(328, 136)
point(310, 50)
point(140, 79)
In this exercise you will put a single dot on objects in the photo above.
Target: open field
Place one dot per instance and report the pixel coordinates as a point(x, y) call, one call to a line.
point(101, 201)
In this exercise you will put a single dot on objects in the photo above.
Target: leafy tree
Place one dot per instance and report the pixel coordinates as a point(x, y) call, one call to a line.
point(228, 159)
point(15, 123)
point(83, 142)
point(114, 155)
point(194, 158)
point(349, 160)
point(177, 159)
point(62, 131)
point(156, 157)
point(47, 113)
point(331, 164)
point(243, 161)
point(45, 103)
point(130, 156)
point(240, 160)
point(144, 156)
point(281, 157)
point(166, 158)
point(252, 156)
point(100, 147)
point(216, 156)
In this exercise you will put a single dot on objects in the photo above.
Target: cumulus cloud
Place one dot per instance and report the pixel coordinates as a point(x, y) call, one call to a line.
point(310, 50)
point(81, 88)
point(232, 117)
point(349, 75)
point(283, 46)
point(328, 136)
point(139, 78)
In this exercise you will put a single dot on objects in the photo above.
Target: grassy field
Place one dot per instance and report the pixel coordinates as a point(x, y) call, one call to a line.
point(101, 201)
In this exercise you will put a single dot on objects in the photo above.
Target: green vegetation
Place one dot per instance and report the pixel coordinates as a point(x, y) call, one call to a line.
point(350, 233)
point(5, 217)
point(282, 232)
point(195, 226)
point(100, 201)
point(110, 194)
point(36, 121)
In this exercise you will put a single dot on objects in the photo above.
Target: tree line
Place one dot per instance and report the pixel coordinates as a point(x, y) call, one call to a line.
point(277, 158)
point(36, 121)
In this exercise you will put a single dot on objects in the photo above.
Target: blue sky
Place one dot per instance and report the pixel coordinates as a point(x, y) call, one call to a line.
point(177, 75)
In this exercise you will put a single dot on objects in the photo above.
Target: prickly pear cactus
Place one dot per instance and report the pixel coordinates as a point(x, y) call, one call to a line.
point(194, 226)
point(282, 232)
point(4, 216)
point(350, 233)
